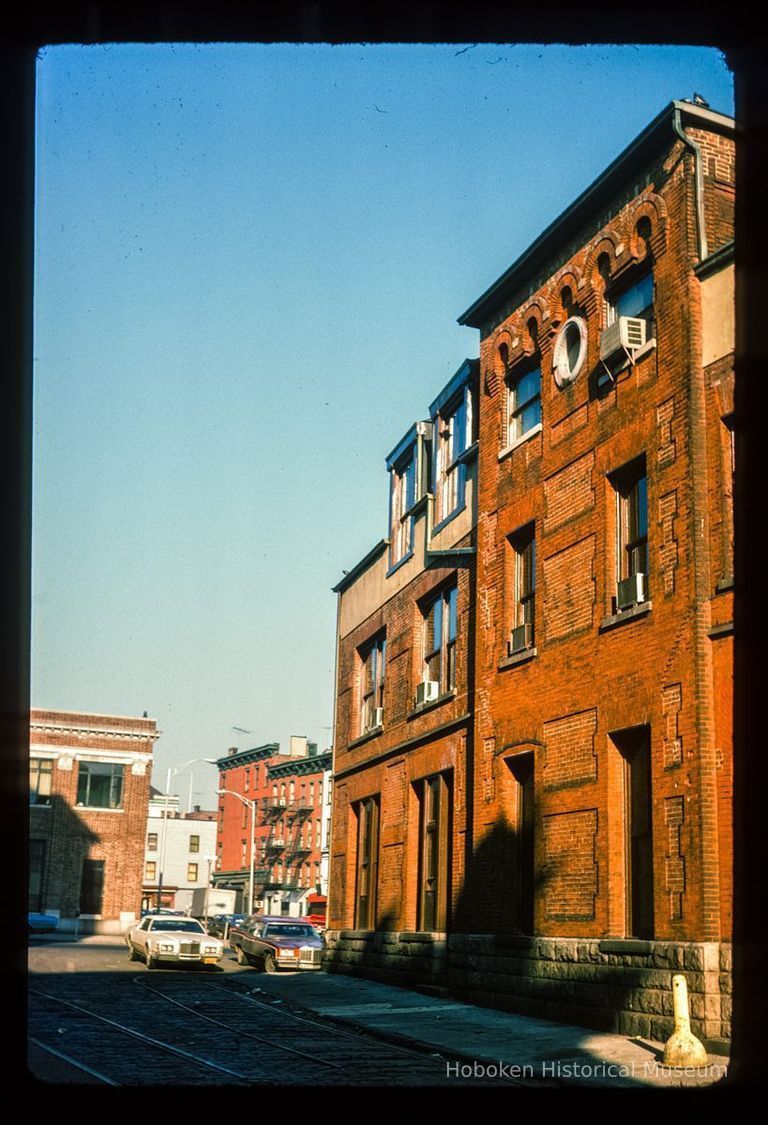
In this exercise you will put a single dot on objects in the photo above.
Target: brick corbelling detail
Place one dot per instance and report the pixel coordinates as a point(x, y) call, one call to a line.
point(668, 547)
point(671, 706)
point(570, 872)
point(665, 413)
point(570, 492)
point(674, 814)
point(569, 754)
point(569, 589)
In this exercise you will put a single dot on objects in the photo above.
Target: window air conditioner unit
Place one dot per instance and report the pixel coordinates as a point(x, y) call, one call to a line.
point(427, 691)
point(378, 717)
point(520, 639)
point(627, 333)
point(281, 802)
point(631, 591)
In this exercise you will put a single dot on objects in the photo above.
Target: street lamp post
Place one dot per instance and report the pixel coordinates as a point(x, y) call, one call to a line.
point(252, 806)
point(171, 771)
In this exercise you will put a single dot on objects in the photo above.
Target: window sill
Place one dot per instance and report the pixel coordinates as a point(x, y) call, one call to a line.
point(418, 505)
point(433, 703)
point(97, 808)
point(39, 804)
point(447, 519)
point(469, 454)
point(640, 947)
point(625, 615)
point(516, 658)
point(624, 364)
point(400, 562)
point(374, 732)
point(521, 440)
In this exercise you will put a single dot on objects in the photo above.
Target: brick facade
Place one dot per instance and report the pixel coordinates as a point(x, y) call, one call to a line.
point(598, 755)
point(87, 834)
point(291, 793)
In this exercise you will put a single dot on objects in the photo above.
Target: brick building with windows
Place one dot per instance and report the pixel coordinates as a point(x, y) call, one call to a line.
point(89, 795)
point(187, 843)
point(594, 801)
point(288, 794)
point(403, 730)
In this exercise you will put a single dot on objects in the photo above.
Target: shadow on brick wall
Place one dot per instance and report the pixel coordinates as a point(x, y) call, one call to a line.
point(68, 840)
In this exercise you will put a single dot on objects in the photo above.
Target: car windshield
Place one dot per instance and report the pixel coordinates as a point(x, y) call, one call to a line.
point(289, 931)
point(185, 925)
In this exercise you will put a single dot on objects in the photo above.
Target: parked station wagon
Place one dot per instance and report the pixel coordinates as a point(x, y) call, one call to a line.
point(272, 942)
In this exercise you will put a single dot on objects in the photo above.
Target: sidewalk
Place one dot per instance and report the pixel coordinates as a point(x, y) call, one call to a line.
point(520, 1049)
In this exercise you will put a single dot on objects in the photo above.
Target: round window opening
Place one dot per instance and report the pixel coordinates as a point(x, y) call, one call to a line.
point(570, 350)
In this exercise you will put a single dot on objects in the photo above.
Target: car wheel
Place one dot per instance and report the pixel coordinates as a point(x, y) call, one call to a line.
point(133, 954)
point(240, 956)
point(270, 965)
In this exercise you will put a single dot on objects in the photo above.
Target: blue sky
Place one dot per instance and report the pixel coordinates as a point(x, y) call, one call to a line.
point(249, 265)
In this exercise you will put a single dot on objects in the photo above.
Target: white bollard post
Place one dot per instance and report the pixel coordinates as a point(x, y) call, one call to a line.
point(683, 1048)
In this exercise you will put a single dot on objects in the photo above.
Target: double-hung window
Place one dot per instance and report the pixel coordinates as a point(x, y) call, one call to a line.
point(634, 300)
point(452, 414)
point(434, 798)
point(523, 404)
point(367, 863)
point(403, 497)
point(37, 857)
point(373, 658)
point(453, 438)
point(524, 594)
point(440, 629)
point(100, 786)
point(40, 779)
point(631, 488)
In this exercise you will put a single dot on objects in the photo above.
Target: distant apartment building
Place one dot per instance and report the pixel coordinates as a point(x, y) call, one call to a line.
point(89, 795)
point(180, 847)
point(288, 796)
point(533, 746)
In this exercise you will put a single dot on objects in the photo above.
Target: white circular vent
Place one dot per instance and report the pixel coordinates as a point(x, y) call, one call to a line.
point(570, 350)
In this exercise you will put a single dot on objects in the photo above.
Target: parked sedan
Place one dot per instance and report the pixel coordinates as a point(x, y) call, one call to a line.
point(224, 922)
point(158, 938)
point(274, 943)
point(42, 923)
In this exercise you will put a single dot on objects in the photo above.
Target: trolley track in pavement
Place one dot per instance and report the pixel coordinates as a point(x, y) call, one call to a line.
point(190, 1032)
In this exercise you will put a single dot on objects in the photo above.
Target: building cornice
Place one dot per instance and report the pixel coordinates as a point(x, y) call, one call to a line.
point(245, 757)
point(601, 191)
point(368, 560)
point(298, 767)
point(716, 261)
point(95, 732)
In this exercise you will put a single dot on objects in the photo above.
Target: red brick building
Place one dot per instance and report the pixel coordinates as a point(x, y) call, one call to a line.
point(89, 795)
point(597, 807)
point(288, 794)
point(403, 727)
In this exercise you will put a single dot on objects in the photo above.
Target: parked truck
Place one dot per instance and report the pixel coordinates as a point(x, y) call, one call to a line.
point(207, 901)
